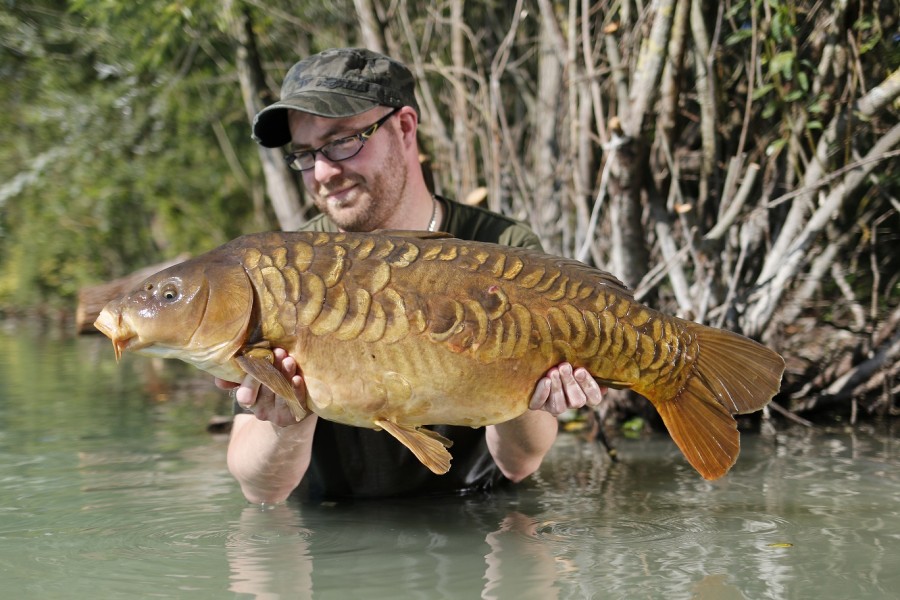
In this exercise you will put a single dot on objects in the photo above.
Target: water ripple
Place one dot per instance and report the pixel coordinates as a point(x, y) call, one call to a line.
point(628, 532)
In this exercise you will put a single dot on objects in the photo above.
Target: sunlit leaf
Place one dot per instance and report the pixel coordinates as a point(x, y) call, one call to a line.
point(762, 90)
point(633, 427)
point(775, 147)
point(782, 62)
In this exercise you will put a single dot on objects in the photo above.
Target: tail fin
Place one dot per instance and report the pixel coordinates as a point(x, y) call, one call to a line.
point(731, 375)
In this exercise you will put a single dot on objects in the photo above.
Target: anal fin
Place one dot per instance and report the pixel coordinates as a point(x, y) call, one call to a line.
point(429, 447)
point(258, 364)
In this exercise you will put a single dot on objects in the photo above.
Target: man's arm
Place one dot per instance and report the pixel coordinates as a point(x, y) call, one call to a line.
point(269, 461)
point(268, 451)
point(519, 446)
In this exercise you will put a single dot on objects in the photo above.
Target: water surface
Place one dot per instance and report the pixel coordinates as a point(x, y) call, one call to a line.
point(112, 488)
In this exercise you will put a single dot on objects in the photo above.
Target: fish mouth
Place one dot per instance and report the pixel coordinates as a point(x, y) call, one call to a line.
point(112, 326)
point(121, 344)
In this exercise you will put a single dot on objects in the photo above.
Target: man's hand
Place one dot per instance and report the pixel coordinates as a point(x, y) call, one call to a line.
point(563, 388)
point(265, 405)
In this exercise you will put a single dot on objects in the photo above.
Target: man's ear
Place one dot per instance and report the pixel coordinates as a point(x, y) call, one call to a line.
point(409, 124)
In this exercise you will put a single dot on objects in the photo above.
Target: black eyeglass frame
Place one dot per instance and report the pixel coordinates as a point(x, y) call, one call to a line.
point(362, 137)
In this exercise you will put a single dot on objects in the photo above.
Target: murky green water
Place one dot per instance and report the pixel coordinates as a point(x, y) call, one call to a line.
point(110, 487)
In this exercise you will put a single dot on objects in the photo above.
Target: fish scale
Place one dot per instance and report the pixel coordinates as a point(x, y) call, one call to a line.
point(400, 330)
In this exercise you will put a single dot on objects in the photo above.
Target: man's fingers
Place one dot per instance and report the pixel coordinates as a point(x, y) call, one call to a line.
point(591, 389)
point(563, 388)
point(224, 385)
point(556, 403)
point(289, 367)
point(540, 395)
point(247, 393)
point(574, 396)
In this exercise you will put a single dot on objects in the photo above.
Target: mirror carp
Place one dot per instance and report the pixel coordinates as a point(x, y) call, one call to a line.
point(397, 330)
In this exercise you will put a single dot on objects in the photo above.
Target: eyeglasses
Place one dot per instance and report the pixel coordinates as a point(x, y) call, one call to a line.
point(336, 150)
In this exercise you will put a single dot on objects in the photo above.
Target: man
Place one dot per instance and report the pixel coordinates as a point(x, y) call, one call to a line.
point(350, 117)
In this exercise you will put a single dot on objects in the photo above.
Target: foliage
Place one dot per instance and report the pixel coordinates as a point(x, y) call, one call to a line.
point(731, 160)
point(117, 160)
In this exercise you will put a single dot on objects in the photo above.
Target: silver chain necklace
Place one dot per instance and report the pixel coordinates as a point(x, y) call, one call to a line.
point(432, 224)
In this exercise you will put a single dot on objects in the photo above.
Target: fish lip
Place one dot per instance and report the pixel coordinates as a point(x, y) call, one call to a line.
point(123, 343)
point(105, 323)
point(128, 342)
point(123, 337)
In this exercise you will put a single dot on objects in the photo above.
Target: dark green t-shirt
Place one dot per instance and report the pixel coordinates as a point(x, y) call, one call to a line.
point(466, 223)
point(352, 462)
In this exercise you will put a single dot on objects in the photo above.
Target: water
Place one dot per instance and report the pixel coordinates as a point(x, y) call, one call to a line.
point(110, 487)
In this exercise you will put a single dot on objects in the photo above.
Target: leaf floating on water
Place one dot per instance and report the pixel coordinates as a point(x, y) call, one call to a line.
point(632, 428)
point(781, 545)
point(574, 426)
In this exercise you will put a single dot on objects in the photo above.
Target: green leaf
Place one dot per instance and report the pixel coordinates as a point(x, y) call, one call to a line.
point(775, 147)
point(782, 62)
point(739, 36)
point(633, 427)
point(818, 106)
point(762, 91)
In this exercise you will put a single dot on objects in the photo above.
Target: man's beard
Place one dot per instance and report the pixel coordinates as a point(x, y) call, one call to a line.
point(374, 201)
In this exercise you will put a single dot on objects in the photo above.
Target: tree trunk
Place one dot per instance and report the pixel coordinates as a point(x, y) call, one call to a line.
point(630, 257)
point(463, 156)
point(545, 153)
point(281, 186)
point(370, 26)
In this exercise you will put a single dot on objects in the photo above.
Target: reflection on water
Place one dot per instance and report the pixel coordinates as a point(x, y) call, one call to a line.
point(447, 548)
point(112, 488)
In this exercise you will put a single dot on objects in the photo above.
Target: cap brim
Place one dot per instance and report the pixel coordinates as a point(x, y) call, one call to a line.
point(270, 125)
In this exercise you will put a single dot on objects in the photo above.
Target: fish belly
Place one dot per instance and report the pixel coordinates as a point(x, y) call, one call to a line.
point(410, 383)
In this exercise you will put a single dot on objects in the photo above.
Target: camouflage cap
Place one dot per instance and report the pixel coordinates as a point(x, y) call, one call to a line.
point(340, 82)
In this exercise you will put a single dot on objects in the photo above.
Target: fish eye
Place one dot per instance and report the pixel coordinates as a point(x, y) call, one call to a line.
point(170, 292)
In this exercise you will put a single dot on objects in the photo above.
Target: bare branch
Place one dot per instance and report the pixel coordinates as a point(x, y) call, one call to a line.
point(768, 294)
point(865, 107)
point(645, 86)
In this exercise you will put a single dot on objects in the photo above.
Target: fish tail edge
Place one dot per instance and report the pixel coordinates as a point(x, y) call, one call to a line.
point(731, 375)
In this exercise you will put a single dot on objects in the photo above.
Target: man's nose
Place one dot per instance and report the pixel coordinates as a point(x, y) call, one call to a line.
point(325, 169)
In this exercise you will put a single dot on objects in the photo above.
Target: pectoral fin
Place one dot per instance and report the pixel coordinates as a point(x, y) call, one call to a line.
point(258, 364)
point(615, 384)
point(429, 447)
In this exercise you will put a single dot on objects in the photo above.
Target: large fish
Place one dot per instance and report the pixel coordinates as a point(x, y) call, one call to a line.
point(397, 330)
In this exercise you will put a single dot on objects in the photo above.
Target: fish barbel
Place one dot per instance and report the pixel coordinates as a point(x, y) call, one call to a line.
point(398, 330)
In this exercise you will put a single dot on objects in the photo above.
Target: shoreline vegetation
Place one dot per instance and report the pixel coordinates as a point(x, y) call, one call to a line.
point(734, 163)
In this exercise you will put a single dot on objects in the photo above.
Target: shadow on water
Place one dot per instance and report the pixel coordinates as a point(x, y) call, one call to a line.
point(112, 488)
